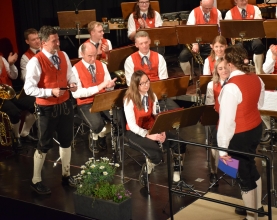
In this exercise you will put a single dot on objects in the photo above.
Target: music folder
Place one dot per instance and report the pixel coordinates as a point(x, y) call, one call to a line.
point(231, 168)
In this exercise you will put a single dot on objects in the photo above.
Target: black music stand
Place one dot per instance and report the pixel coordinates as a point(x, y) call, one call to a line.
point(197, 33)
point(108, 101)
point(174, 120)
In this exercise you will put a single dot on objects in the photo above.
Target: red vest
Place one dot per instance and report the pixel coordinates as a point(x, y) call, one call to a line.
point(216, 88)
point(275, 66)
point(149, 21)
point(86, 79)
point(100, 54)
point(153, 58)
point(199, 17)
point(52, 78)
point(236, 15)
point(211, 64)
point(247, 115)
point(4, 77)
point(144, 119)
point(29, 53)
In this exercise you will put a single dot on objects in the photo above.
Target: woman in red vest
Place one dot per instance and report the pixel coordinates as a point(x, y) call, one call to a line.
point(213, 90)
point(240, 124)
point(218, 46)
point(140, 106)
point(144, 16)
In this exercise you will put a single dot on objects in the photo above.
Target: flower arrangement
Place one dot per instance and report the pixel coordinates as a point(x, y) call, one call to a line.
point(95, 181)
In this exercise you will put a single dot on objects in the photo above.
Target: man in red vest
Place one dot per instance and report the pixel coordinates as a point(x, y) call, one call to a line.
point(32, 39)
point(242, 11)
point(206, 13)
point(49, 78)
point(102, 45)
point(92, 78)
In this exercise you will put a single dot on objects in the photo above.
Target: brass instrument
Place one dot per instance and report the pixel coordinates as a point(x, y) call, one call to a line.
point(199, 98)
point(6, 92)
point(196, 56)
point(5, 130)
point(121, 78)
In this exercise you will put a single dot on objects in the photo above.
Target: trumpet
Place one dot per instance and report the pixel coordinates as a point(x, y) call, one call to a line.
point(196, 56)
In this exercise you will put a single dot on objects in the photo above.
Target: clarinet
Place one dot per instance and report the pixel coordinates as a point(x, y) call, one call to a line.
point(113, 136)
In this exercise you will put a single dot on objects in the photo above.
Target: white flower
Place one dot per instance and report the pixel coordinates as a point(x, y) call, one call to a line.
point(92, 166)
point(89, 173)
point(101, 167)
point(83, 167)
point(98, 160)
point(91, 158)
point(105, 173)
point(81, 186)
point(82, 172)
point(79, 178)
point(116, 165)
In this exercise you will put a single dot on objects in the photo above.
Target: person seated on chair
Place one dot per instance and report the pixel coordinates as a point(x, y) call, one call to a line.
point(140, 106)
point(14, 107)
point(220, 75)
point(32, 39)
point(151, 62)
point(144, 16)
point(48, 78)
point(240, 124)
point(243, 11)
point(206, 13)
point(92, 78)
point(269, 67)
point(102, 45)
point(218, 46)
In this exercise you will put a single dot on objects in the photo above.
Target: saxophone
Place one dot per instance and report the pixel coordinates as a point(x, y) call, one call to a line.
point(196, 56)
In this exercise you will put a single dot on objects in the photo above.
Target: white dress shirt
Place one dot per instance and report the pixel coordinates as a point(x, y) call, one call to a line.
point(191, 19)
point(129, 67)
point(108, 41)
point(131, 119)
point(33, 73)
point(132, 24)
point(230, 97)
point(11, 69)
point(268, 66)
point(210, 93)
point(258, 14)
point(23, 63)
point(87, 92)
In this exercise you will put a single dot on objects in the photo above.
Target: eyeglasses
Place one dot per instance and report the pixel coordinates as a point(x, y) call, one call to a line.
point(144, 3)
point(145, 83)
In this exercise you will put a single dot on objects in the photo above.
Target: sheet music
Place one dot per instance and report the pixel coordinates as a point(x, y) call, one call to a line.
point(270, 101)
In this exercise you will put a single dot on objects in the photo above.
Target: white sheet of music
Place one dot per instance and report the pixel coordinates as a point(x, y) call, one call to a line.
point(270, 101)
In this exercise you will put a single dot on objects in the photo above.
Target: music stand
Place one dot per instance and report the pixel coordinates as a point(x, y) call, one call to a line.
point(174, 120)
point(270, 81)
point(270, 29)
point(128, 7)
point(203, 83)
point(108, 101)
point(242, 28)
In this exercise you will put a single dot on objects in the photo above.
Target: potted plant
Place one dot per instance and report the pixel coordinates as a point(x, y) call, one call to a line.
point(96, 196)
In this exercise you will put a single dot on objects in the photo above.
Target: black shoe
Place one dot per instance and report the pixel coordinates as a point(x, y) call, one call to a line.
point(40, 188)
point(213, 179)
point(182, 185)
point(17, 144)
point(28, 138)
point(69, 180)
point(265, 139)
point(101, 142)
point(143, 176)
point(240, 211)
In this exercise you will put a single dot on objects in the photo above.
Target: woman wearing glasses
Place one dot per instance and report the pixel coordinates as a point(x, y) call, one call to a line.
point(144, 16)
point(141, 106)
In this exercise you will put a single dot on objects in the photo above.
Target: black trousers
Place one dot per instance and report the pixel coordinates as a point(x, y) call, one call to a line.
point(255, 46)
point(55, 118)
point(246, 142)
point(14, 107)
point(151, 148)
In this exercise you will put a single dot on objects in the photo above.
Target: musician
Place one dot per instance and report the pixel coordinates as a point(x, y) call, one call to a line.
point(151, 62)
point(92, 78)
point(32, 39)
point(206, 13)
point(220, 75)
point(144, 16)
point(48, 78)
point(218, 46)
point(102, 45)
point(140, 106)
point(269, 67)
point(240, 124)
point(242, 11)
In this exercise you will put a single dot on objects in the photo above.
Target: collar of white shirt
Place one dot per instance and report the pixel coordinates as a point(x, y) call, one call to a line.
point(87, 64)
point(142, 55)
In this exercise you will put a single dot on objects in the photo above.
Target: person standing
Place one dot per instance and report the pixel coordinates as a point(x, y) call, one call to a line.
point(240, 126)
point(49, 78)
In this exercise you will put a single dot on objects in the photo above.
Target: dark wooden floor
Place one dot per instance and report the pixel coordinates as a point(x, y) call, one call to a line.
point(17, 201)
